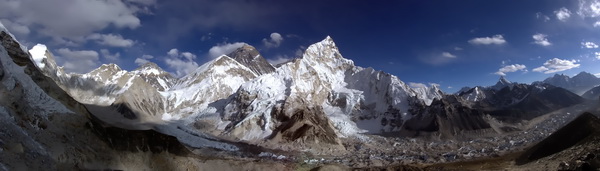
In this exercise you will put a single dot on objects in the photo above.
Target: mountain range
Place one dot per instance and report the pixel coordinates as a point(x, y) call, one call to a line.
point(315, 102)
point(241, 96)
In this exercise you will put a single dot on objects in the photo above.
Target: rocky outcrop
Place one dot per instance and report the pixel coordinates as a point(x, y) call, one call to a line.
point(447, 116)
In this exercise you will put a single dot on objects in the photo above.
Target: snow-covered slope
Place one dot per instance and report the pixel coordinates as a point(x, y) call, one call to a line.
point(213, 81)
point(155, 76)
point(475, 94)
point(322, 78)
point(428, 94)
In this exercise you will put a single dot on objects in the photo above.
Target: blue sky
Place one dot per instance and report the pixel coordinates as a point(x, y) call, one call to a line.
point(450, 43)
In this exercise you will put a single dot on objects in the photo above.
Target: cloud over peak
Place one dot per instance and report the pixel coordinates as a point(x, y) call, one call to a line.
point(511, 68)
point(182, 63)
point(114, 40)
point(143, 60)
point(224, 49)
point(557, 65)
point(274, 40)
point(496, 39)
point(78, 61)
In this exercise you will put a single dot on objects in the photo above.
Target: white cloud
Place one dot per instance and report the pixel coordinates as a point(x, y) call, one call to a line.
point(448, 55)
point(511, 68)
point(223, 49)
point(78, 61)
point(173, 53)
point(285, 58)
point(589, 8)
point(417, 85)
point(15, 27)
point(108, 56)
point(541, 16)
point(541, 39)
point(597, 24)
point(274, 41)
point(496, 39)
point(597, 54)
point(189, 56)
point(111, 40)
point(74, 20)
point(556, 65)
point(589, 45)
point(562, 14)
point(279, 59)
point(182, 63)
point(143, 60)
point(597, 75)
point(458, 48)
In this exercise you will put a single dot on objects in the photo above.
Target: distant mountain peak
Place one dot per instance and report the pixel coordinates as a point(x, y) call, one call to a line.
point(148, 65)
point(106, 68)
point(503, 80)
point(248, 56)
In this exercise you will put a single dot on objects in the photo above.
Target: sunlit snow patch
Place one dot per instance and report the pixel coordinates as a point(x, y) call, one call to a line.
point(38, 53)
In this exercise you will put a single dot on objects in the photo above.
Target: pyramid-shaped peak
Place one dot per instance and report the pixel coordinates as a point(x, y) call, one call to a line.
point(585, 74)
point(245, 52)
point(248, 56)
point(328, 40)
point(503, 80)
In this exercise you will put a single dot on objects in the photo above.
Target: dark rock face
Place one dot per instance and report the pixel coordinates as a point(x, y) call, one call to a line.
point(447, 116)
point(538, 102)
point(513, 103)
point(308, 125)
point(249, 57)
point(136, 140)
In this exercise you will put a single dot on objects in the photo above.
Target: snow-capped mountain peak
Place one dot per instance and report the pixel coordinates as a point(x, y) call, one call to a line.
point(215, 80)
point(251, 58)
point(155, 76)
point(502, 82)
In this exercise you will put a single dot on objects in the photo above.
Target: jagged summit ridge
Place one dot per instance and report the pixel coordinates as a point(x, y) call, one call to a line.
point(502, 82)
point(251, 58)
point(577, 84)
